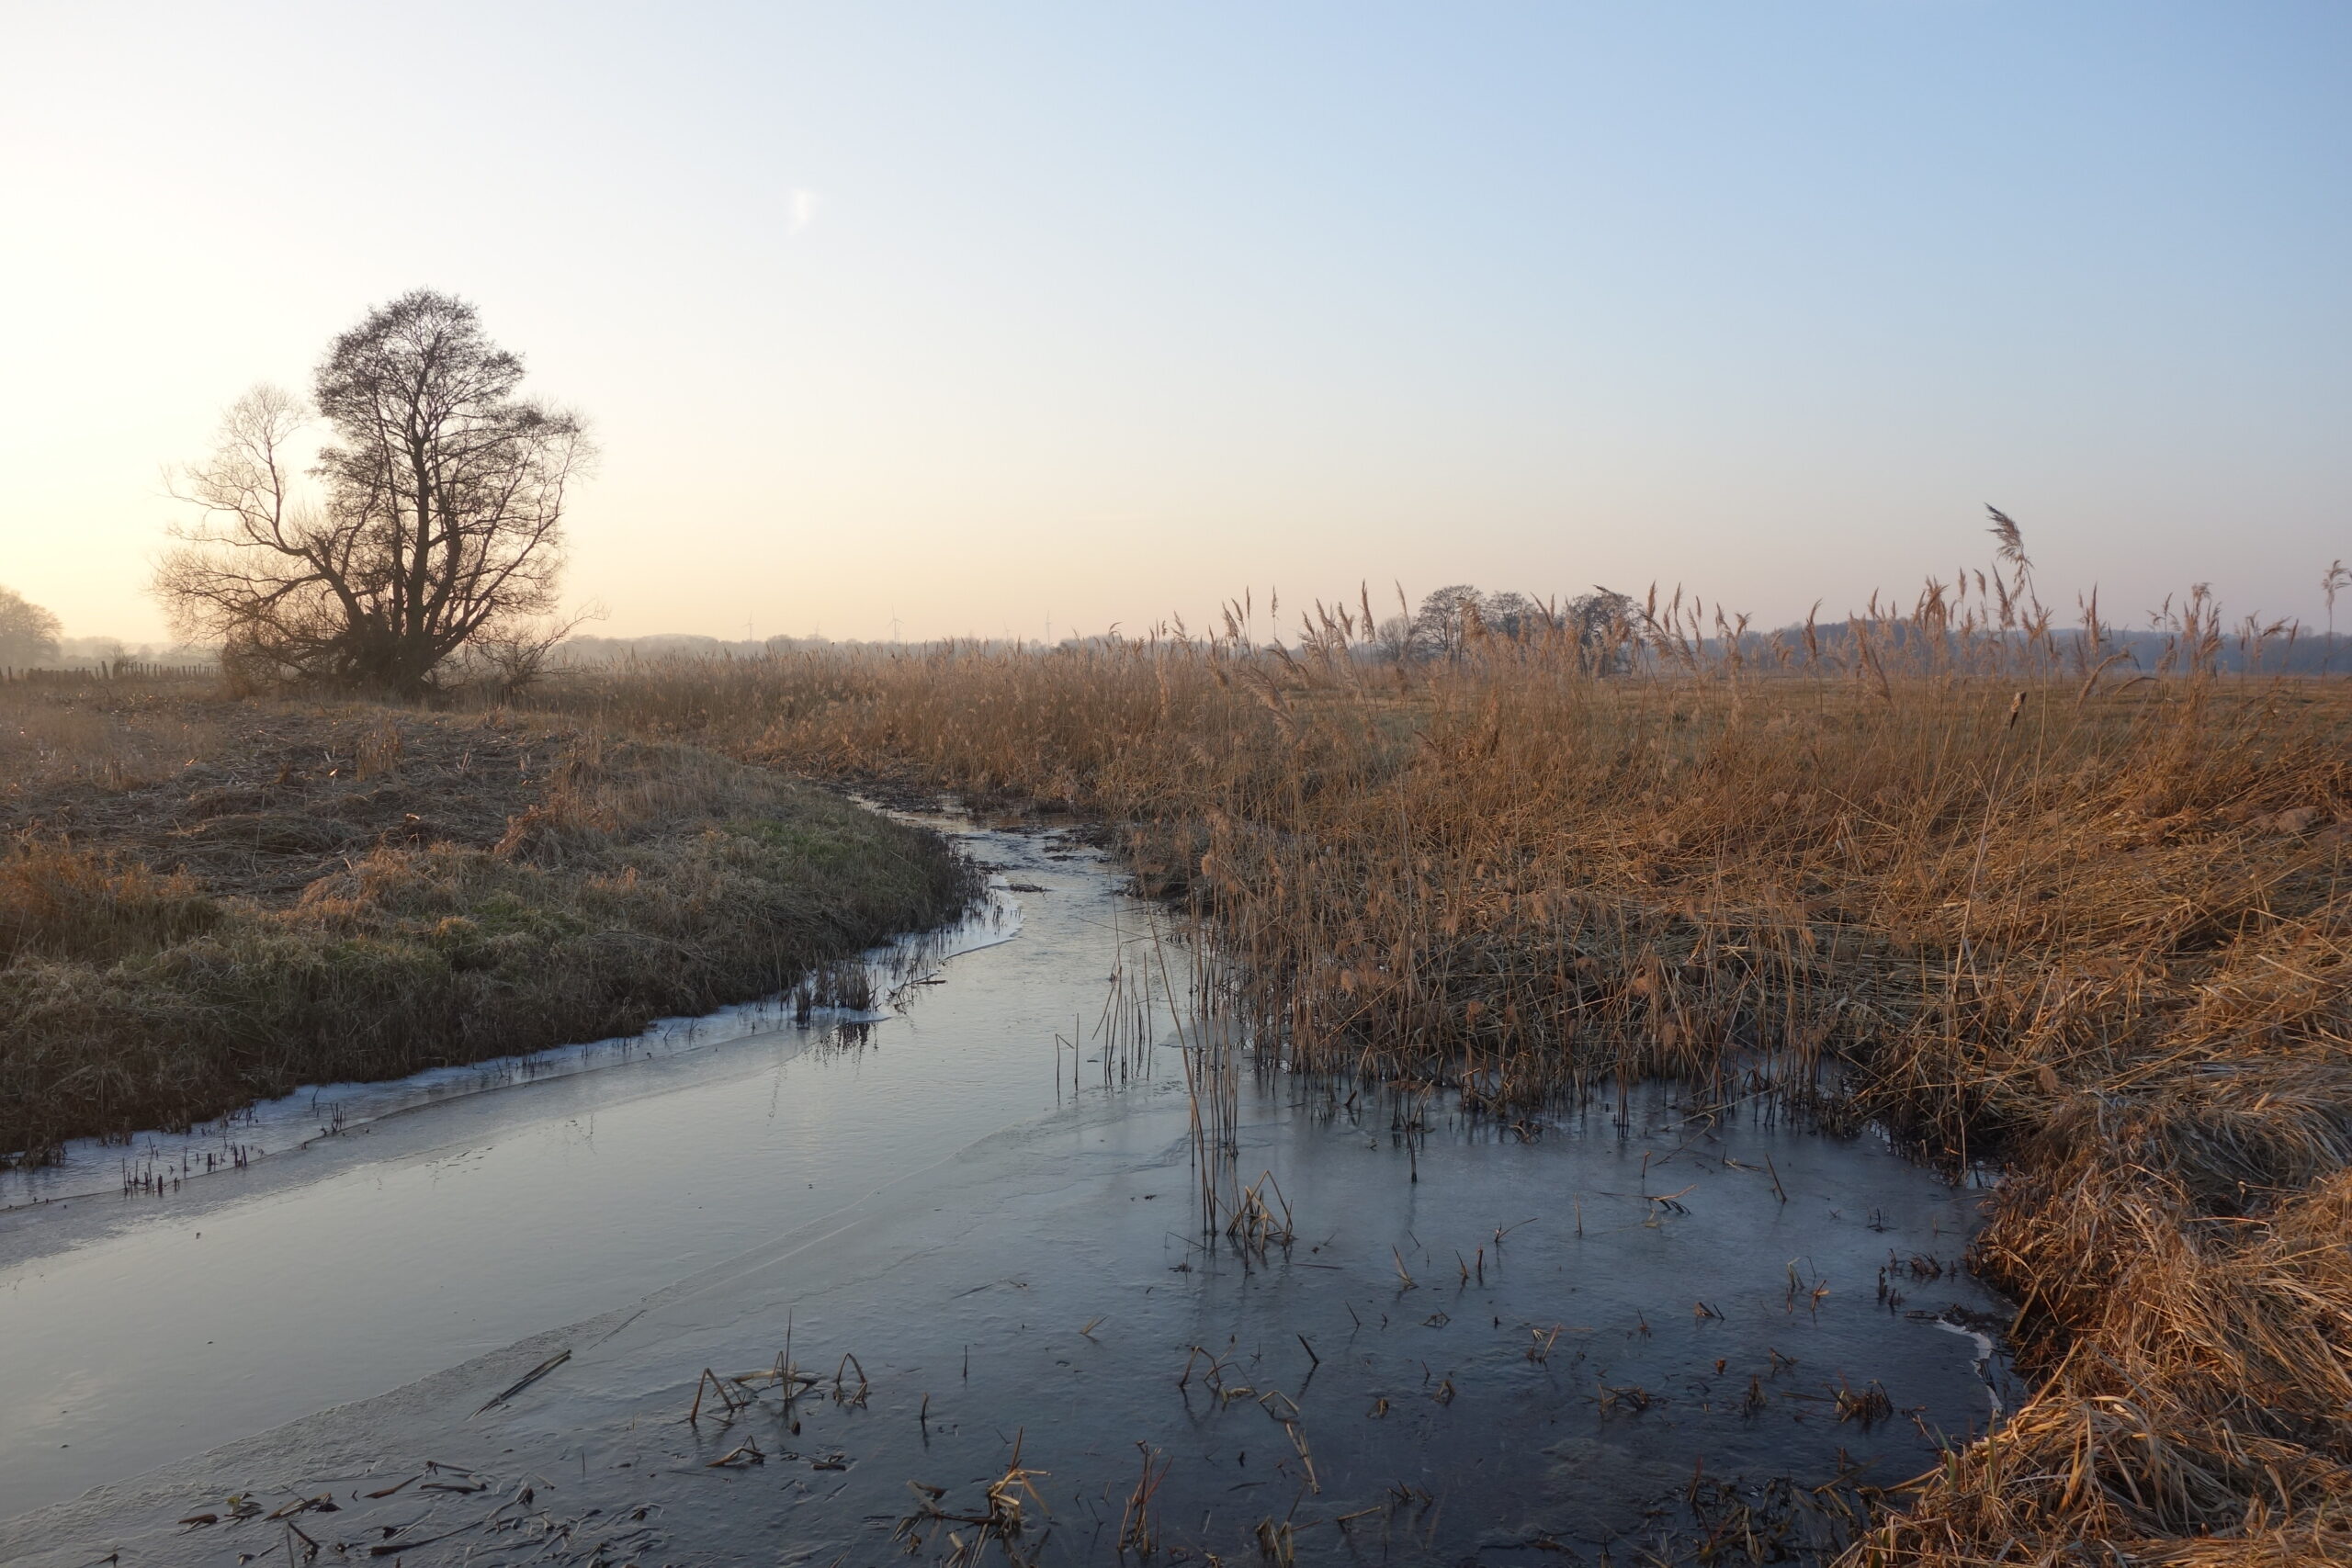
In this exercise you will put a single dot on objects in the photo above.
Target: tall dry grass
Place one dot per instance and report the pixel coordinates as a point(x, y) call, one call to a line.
point(1947, 870)
point(138, 731)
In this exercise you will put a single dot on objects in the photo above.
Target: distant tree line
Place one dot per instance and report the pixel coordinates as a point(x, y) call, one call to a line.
point(1603, 626)
point(2241, 651)
point(29, 641)
point(27, 632)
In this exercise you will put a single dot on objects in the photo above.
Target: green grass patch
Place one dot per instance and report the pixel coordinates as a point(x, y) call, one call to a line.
point(646, 882)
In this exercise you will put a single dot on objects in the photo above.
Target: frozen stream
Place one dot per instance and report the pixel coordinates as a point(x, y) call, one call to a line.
point(1012, 1258)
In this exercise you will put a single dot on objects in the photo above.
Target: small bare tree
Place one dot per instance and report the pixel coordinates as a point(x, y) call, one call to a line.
point(435, 525)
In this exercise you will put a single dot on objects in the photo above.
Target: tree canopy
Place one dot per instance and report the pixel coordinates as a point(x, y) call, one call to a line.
point(27, 632)
point(432, 523)
point(1452, 618)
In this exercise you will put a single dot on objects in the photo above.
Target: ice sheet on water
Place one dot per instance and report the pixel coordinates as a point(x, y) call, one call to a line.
point(87, 1167)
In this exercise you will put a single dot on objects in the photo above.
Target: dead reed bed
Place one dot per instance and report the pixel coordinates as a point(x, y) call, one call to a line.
point(1947, 870)
point(115, 734)
point(326, 893)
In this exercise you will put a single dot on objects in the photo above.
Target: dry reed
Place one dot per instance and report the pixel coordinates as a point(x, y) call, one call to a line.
point(1947, 869)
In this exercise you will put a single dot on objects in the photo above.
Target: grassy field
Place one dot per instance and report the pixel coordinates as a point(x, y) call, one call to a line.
point(2090, 929)
point(2086, 927)
point(204, 901)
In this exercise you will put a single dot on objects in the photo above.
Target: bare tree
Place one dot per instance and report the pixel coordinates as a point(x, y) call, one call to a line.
point(1450, 616)
point(436, 522)
point(1509, 612)
point(1445, 617)
point(1397, 640)
point(1603, 622)
point(27, 632)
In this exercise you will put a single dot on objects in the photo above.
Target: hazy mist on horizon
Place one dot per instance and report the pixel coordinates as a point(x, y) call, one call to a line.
point(935, 321)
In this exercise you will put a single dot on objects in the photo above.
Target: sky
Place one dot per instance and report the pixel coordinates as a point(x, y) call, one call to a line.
point(1026, 318)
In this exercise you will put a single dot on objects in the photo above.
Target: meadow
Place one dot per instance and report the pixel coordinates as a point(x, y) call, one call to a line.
point(1950, 873)
point(1941, 871)
point(205, 901)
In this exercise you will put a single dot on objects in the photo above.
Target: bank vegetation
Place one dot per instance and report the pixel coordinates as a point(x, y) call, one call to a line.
point(1949, 871)
point(207, 901)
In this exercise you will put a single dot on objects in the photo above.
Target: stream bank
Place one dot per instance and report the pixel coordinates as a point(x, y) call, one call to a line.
point(1589, 1329)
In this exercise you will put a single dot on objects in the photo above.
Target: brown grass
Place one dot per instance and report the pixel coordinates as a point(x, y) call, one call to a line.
point(1986, 892)
point(322, 894)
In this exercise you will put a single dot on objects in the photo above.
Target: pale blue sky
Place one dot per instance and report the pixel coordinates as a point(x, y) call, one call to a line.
point(977, 315)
